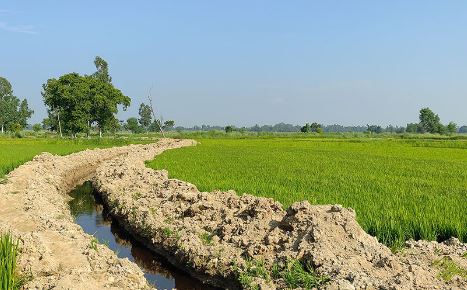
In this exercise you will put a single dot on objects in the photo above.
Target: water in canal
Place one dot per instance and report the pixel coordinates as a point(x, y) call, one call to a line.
point(88, 211)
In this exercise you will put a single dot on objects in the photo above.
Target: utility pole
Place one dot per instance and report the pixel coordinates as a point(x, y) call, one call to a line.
point(154, 115)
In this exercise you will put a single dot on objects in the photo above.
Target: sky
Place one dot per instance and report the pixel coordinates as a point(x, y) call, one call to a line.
point(247, 62)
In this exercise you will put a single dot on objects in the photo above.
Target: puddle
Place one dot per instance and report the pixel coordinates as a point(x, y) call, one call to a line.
point(88, 211)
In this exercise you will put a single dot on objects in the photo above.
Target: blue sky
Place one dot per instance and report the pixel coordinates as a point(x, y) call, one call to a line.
point(246, 62)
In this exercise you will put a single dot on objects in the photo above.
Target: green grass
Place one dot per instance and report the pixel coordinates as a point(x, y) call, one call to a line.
point(400, 188)
point(9, 278)
point(448, 269)
point(294, 274)
point(14, 152)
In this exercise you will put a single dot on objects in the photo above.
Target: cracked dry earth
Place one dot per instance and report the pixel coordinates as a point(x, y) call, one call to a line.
point(174, 219)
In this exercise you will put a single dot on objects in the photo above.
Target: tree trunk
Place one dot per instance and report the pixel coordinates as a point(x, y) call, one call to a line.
point(2, 128)
point(59, 125)
point(100, 132)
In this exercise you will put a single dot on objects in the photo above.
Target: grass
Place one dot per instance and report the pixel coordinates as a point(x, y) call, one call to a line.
point(14, 152)
point(448, 269)
point(400, 188)
point(9, 278)
point(294, 274)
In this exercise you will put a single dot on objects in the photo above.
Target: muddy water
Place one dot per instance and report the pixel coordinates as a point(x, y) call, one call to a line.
point(90, 214)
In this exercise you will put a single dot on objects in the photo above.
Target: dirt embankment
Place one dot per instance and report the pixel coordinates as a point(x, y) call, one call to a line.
point(231, 240)
point(55, 251)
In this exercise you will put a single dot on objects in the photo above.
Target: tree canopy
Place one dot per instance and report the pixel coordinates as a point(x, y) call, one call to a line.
point(75, 102)
point(13, 112)
point(429, 121)
point(145, 115)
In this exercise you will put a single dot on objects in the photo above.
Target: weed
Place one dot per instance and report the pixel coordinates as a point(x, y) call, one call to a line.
point(206, 238)
point(9, 278)
point(93, 244)
point(448, 269)
point(137, 195)
point(167, 232)
point(298, 275)
point(254, 269)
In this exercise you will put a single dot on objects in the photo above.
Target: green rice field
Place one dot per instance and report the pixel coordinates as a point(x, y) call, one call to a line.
point(400, 189)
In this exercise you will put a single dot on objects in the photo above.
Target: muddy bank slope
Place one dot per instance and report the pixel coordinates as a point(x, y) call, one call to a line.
point(54, 250)
point(249, 241)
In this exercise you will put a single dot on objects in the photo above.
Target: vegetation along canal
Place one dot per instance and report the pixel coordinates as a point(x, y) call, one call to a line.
point(88, 211)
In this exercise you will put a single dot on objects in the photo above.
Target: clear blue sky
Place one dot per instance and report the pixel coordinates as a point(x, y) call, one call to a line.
point(246, 62)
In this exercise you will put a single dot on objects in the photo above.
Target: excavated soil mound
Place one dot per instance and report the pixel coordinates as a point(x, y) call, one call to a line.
point(55, 252)
point(235, 241)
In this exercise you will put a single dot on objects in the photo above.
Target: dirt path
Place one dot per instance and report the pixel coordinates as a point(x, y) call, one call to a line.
point(55, 250)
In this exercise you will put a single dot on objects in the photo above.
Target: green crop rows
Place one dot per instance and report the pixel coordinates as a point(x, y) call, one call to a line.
point(400, 189)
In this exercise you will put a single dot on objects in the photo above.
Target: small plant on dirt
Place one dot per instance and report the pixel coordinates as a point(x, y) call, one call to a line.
point(253, 269)
point(448, 269)
point(206, 238)
point(298, 275)
point(93, 244)
point(464, 255)
point(167, 232)
point(137, 195)
point(9, 278)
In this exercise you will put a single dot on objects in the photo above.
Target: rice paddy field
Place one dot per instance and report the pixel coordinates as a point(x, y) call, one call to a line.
point(15, 151)
point(400, 189)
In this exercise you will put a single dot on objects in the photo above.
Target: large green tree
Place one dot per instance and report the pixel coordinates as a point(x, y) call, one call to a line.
point(13, 112)
point(429, 121)
point(75, 102)
point(69, 102)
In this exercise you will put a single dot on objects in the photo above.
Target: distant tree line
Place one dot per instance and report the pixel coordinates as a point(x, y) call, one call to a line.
point(14, 112)
point(429, 123)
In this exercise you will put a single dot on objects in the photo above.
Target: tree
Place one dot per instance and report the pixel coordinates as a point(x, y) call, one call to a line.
point(145, 115)
point(463, 129)
point(315, 127)
point(75, 102)
point(306, 128)
point(429, 121)
point(102, 72)
point(13, 112)
point(36, 127)
point(69, 103)
point(133, 126)
point(374, 129)
point(24, 113)
point(228, 129)
point(451, 128)
point(169, 124)
point(412, 128)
